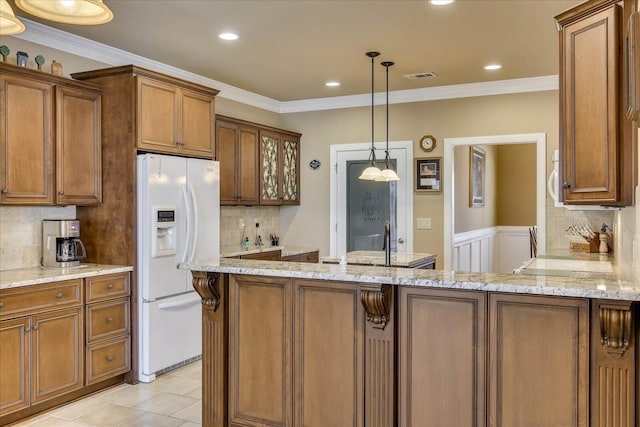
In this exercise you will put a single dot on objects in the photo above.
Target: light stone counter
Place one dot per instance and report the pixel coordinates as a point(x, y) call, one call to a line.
point(40, 275)
point(377, 258)
point(583, 285)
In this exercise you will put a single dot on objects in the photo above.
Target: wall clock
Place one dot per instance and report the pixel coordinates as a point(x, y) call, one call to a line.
point(428, 143)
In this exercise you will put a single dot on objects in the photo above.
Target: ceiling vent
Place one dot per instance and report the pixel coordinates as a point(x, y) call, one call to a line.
point(418, 76)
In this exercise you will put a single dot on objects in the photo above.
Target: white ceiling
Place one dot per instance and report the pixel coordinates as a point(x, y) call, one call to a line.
point(288, 49)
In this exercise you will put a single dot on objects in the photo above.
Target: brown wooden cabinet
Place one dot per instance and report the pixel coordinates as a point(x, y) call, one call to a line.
point(596, 141)
point(237, 152)
point(173, 119)
point(441, 337)
point(279, 168)
point(41, 353)
point(51, 151)
point(538, 358)
point(55, 347)
point(259, 165)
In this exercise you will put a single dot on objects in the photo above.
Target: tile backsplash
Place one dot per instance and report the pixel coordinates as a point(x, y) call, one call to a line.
point(231, 218)
point(21, 233)
point(559, 219)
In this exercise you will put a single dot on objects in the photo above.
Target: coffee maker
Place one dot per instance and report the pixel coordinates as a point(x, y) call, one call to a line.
point(60, 241)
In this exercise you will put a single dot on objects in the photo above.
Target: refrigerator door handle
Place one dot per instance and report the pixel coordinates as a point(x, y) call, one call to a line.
point(194, 241)
point(181, 303)
point(187, 208)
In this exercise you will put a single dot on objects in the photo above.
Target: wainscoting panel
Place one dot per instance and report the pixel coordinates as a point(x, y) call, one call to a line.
point(498, 249)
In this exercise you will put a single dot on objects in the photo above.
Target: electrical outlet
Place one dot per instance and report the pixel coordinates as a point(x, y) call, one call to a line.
point(424, 223)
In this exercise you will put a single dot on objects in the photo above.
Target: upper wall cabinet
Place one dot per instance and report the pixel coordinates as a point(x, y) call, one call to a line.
point(174, 120)
point(596, 138)
point(50, 139)
point(172, 116)
point(258, 164)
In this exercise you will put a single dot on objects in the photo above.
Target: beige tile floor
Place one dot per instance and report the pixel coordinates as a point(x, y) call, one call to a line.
point(173, 399)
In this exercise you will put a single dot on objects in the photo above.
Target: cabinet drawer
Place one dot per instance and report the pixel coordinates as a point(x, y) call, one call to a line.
point(101, 288)
point(34, 299)
point(108, 359)
point(107, 319)
point(312, 257)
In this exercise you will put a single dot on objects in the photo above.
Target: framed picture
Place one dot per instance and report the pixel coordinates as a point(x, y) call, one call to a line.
point(428, 174)
point(477, 166)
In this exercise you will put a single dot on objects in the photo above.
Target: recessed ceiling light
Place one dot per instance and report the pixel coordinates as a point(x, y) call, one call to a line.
point(440, 2)
point(332, 84)
point(493, 67)
point(228, 36)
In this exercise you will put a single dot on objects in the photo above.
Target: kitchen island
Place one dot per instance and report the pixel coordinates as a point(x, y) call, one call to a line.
point(294, 344)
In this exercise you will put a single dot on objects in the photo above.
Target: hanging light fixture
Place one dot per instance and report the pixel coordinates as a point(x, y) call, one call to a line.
point(388, 174)
point(9, 24)
point(78, 12)
point(372, 172)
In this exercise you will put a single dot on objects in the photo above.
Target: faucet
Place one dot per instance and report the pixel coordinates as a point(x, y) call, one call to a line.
point(387, 244)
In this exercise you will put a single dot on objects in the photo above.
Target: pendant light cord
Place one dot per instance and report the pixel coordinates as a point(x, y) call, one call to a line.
point(387, 157)
point(372, 155)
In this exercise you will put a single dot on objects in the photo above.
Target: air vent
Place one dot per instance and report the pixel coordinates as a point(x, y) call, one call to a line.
point(418, 76)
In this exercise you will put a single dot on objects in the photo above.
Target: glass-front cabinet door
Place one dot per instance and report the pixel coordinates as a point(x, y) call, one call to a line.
point(269, 174)
point(290, 170)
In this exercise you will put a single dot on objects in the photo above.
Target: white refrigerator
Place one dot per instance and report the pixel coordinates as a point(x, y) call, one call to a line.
point(178, 220)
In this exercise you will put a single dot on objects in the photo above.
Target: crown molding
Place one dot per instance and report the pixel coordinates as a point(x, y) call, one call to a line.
point(80, 46)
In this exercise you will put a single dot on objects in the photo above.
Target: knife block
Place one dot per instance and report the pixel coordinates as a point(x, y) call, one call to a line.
point(586, 246)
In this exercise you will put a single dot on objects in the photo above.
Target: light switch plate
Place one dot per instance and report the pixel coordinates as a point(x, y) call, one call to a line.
point(424, 223)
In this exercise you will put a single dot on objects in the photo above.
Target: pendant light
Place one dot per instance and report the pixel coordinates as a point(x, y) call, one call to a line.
point(388, 174)
point(78, 12)
point(372, 172)
point(9, 24)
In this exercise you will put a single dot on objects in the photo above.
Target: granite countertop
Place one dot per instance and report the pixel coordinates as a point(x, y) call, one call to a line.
point(237, 250)
point(589, 286)
point(40, 275)
point(377, 258)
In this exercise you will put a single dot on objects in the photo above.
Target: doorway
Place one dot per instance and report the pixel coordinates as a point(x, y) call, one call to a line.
point(539, 139)
point(372, 202)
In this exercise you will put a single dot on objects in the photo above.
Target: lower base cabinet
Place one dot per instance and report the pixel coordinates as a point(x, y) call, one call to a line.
point(54, 346)
point(317, 353)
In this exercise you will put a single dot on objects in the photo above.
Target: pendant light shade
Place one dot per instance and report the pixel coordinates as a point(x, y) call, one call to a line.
point(388, 174)
point(9, 24)
point(78, 12)
point(372, 173)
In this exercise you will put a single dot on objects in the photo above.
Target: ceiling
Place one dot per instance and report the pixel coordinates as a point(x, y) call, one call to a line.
point(288, 49)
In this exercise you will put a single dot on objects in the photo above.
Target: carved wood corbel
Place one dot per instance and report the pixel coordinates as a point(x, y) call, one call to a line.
point(377, 304)
point(205, 284)
point(615, 327)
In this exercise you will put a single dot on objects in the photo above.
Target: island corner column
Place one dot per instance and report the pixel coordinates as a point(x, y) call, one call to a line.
point(211, 288)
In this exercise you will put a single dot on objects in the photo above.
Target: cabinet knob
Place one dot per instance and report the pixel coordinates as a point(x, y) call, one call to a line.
point(566, 185)
point(5, 191)
point(110, 286)
point(109, 319)
point(1, 304)
point(400, 240)
point(35, 328)
point(109, 358)
point(61, 193)
point(27, 329)
point(59, 295)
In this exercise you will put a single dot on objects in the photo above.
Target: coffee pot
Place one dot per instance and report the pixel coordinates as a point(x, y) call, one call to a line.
point(61, 245)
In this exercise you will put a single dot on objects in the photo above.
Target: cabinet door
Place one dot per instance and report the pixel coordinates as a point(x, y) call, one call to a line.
point(290, 170)
point(14, 363)
point(441, 357)
point(260, 351)
point(158, 116)
point(78, 145)
point(197, 127)
point(590, 126)
point(226, 154)
point(248, 187)
point(26, 142)
point(57, 353)
point(270, 181)
point(538, 358)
